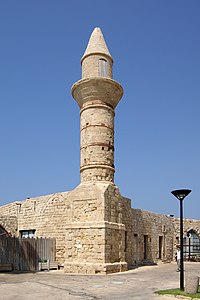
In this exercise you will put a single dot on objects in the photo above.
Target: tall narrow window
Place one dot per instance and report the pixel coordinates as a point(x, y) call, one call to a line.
point(103, 68)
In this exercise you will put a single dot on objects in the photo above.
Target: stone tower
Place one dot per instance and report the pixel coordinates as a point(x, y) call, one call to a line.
point(95, 241)
point(97, 95)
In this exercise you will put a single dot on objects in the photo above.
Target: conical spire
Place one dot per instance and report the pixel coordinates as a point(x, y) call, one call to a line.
point(96, 44)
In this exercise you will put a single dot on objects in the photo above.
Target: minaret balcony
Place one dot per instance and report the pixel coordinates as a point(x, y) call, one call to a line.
point(105, 90)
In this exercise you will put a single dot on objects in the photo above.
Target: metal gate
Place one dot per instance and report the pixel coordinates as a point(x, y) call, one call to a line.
point(191, 246)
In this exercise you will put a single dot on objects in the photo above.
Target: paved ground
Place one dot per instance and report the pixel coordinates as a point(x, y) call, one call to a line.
point(138, 284)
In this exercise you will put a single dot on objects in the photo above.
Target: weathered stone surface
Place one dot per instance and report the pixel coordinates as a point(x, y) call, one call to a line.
point(94, 239)
point(191, 283)
point(9, 223)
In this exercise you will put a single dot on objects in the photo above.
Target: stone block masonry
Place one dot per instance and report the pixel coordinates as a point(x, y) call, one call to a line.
point(9, 223)
point(95, 237)
point(96, 233)
point(96, 229)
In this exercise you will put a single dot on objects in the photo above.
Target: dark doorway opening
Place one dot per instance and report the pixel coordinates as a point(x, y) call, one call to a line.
point(160, 247)
point(145, 246)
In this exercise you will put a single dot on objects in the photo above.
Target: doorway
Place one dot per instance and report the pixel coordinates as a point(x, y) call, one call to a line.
point(145, 246)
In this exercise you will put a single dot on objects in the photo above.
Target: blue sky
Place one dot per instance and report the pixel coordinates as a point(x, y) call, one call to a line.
point(156, 49)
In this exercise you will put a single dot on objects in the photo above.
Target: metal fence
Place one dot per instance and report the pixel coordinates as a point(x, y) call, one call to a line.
point(25, 253)
point(191, 251)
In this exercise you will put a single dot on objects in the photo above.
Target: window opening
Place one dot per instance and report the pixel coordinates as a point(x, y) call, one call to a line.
point(103, 72)
point(191, 246)
point(27, 233)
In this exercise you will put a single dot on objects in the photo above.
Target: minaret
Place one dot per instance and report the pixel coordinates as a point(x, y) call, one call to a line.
point(96, 234)
point(97, 95)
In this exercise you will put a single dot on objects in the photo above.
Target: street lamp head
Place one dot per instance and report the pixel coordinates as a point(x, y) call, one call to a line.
point(181, 194)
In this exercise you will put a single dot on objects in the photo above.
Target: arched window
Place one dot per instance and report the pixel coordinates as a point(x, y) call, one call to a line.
point(103, 68)
point(192, 245)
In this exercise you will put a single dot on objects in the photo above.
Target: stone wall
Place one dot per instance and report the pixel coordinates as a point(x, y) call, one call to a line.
point(86, 223)
point(188, 224)
point(10, 224)
point(155, 230)
point(9, 209)
point(148, 236)
point(95, 239)
point(46, 214)
point(96, 229)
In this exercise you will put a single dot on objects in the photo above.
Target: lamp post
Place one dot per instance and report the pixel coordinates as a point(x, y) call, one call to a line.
point(180, 195)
